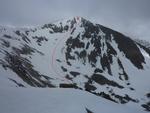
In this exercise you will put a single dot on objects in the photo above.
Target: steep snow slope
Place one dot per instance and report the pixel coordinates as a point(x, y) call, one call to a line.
point(76, 54)
point(36, 100)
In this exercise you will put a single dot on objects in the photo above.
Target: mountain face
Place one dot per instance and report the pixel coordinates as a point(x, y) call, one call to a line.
point(78, 54)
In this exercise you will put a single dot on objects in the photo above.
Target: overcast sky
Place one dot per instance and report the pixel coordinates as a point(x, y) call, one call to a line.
point(131, 17)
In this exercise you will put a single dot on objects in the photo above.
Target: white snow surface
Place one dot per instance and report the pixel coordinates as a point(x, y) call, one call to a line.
point(37, 100)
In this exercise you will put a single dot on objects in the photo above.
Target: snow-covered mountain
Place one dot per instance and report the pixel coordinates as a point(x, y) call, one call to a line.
point(79, 54)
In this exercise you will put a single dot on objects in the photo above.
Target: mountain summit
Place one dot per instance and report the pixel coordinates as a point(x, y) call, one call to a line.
point(78, 54)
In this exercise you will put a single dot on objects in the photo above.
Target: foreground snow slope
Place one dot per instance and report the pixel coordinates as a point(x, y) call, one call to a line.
point(38, 100)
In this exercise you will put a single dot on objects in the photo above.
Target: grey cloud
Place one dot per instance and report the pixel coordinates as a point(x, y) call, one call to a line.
point(131, 17)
